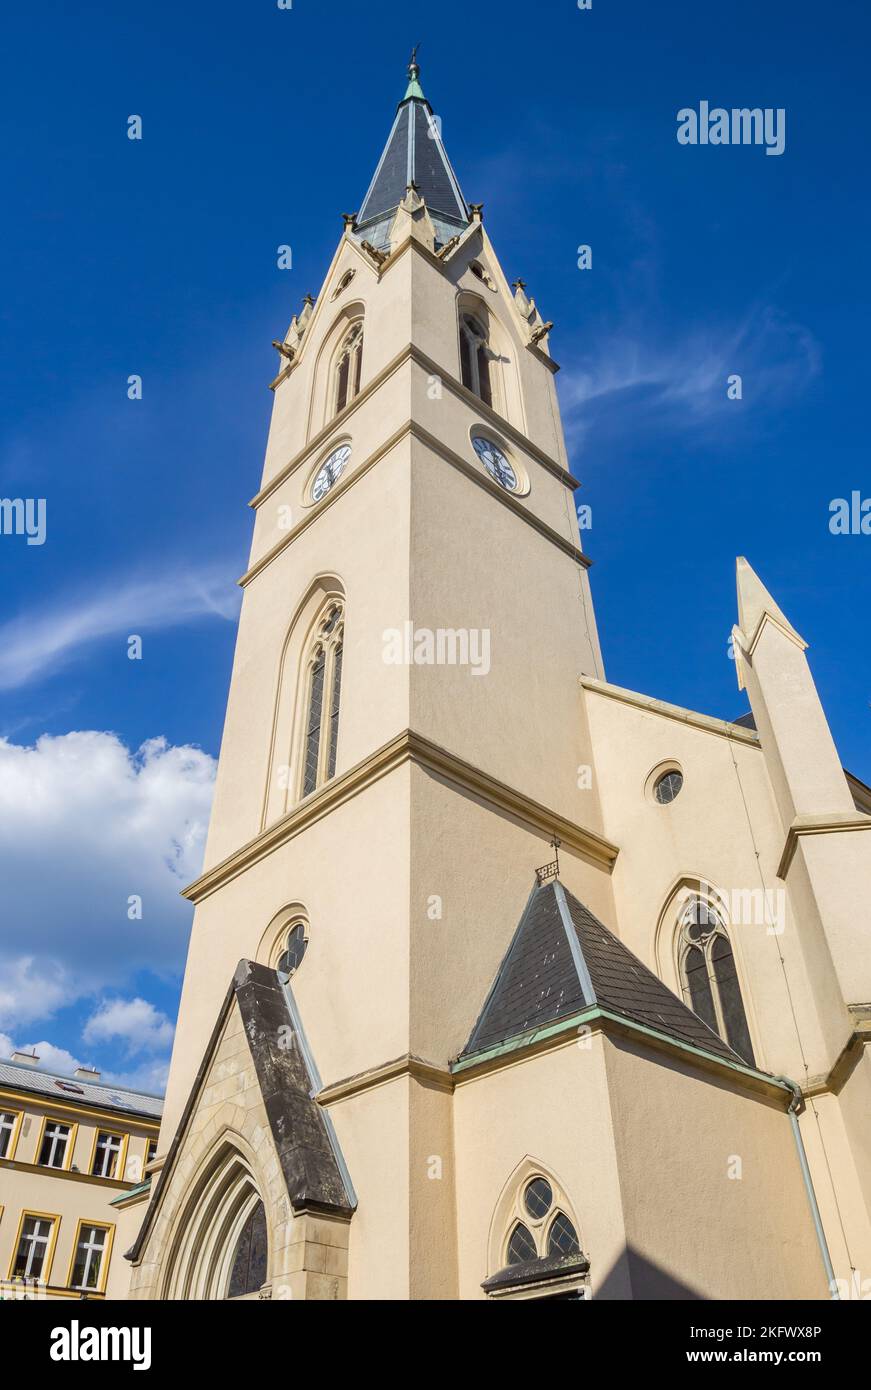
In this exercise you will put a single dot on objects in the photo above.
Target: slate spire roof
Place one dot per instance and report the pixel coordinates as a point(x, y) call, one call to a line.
point(563, 960)
point(414, 153)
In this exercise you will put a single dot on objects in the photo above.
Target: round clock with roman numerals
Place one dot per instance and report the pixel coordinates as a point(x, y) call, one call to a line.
point(329, 471)
point(495, 462)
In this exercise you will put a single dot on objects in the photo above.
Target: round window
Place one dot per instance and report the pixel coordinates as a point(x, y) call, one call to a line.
point(667, 786)
point(538, 1198)
point(294, 949)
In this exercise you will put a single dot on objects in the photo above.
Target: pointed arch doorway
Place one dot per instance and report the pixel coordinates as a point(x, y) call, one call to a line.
point(222, 1248)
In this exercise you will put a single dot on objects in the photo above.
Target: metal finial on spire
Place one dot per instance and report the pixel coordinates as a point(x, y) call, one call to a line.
point(551, 870)
point(414, 88)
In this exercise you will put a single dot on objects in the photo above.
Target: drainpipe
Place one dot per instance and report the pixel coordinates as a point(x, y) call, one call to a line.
point(794, 1107)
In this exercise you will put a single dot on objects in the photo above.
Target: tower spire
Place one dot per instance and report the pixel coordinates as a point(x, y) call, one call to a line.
point(413, 156)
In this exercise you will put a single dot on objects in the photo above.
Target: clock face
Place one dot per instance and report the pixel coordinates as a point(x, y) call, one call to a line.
point(495, 462)
point(329, 471)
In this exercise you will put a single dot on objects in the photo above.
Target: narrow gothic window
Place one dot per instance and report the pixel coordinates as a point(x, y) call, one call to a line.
point(321, 732)
point(313, 731)
point(349, 367)
point(709, 978)
point(475, 358)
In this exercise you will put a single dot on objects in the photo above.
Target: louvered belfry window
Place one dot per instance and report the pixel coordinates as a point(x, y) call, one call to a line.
point(475, 358)
point(321, 732)
point(349, 368)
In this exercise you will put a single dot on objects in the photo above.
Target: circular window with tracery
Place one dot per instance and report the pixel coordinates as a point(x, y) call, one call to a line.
point(294, 949)
point(667, 786)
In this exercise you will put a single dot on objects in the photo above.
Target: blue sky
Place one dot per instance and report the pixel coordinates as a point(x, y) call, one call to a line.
point(158, 257)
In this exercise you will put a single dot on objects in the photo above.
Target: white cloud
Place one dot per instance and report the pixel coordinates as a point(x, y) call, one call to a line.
point(85, 824)
point(51, 1058)
point(42, 642)
point(685, 379)
point(135, 1023)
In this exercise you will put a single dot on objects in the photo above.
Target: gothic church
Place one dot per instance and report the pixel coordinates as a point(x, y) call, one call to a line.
point(504, 982)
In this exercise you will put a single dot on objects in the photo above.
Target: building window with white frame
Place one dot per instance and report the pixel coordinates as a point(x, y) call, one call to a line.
point(55, 1142)
point(34, 1244)
point(89, 1256)
point(8, 1123)
point(107, 1155)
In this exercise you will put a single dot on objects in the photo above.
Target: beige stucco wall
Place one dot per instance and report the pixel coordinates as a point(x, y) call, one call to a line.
point(689, 1224)
point(641, 1144)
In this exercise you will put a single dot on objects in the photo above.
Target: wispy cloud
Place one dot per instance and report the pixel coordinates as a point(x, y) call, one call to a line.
point(685, 380)
point(40, 643)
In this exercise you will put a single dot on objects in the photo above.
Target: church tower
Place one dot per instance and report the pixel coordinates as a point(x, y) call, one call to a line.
point(411, 1046)
point(394, 760)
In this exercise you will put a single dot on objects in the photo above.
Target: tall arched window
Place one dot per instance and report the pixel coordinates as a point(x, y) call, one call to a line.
point(709, 978)
point(475, 358)
point(349, 366)
point(324, 687)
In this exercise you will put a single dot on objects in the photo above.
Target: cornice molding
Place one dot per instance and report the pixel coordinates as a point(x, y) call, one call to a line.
point(722, 727)
point(564, 1034)
point(818, 825)
point(16, 1166)
point(406, 747)
point(409, 429)
point(783, 628)
point(41, 1100)
point(408, 1065)
point(412, 353)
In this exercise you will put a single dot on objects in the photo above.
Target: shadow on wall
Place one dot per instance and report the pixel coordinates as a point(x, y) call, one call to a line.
point(635, 1277)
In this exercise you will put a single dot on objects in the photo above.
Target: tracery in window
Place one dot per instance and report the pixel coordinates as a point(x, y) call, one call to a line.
point(349, 367)
point(708, 975)
point(324, 685)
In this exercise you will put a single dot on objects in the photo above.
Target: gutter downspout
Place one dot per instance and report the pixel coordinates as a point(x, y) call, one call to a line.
point(794, 1106)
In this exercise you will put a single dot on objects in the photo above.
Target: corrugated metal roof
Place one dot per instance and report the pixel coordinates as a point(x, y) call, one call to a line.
point(20, 1077)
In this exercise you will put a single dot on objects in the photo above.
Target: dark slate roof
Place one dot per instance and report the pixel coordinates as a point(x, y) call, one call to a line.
point(314, 1171)
point(77, 1090)
point(746, 721)
point(414, 153)
point(562, 960)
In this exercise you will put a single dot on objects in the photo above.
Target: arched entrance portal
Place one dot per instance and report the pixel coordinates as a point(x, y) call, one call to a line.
point(222, 1246)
